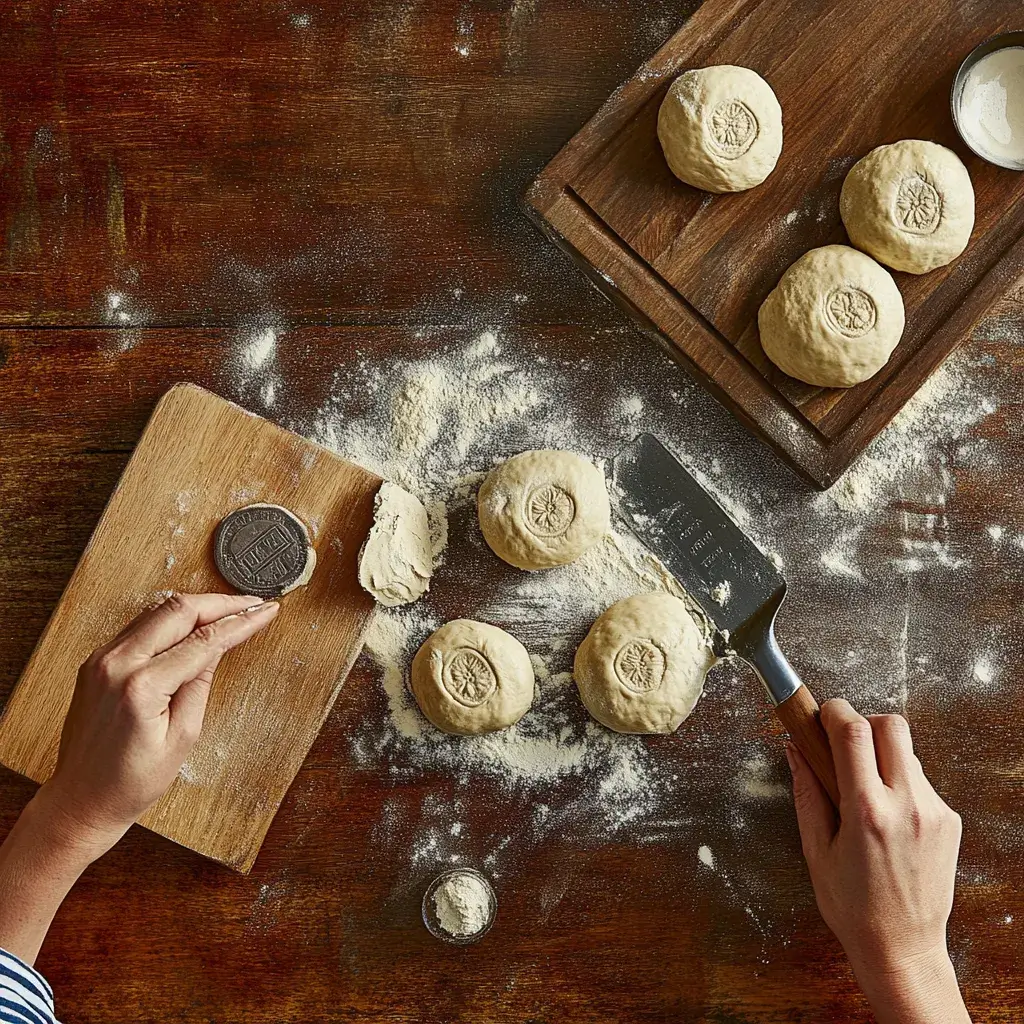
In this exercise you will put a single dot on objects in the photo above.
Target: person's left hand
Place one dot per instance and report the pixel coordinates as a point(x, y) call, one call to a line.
point(137, 710)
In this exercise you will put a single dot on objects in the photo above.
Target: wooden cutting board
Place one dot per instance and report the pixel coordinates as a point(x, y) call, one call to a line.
point(693, 268)
point(199, 458)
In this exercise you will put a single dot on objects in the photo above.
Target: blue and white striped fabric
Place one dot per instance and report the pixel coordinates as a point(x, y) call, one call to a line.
point(25, 996)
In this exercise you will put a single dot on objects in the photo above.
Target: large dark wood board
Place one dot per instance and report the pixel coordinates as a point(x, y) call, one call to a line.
point(694, 268)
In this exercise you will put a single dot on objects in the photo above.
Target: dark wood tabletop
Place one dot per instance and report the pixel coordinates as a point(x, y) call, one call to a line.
point(174, 175)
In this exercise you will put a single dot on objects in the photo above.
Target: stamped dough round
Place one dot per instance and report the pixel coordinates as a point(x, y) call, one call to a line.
point(470, 677)
point(834, 318)
point(910, 205)
point(641, 667)
point(721, 128)
point(543, 508)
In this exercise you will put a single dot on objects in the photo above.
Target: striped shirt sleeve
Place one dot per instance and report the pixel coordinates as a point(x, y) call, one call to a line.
point(25, 996)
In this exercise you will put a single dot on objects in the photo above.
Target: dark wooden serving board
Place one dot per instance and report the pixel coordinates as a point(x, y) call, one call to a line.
point(694, 268)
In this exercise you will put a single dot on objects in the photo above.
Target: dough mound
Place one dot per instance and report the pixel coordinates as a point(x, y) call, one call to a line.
point(543, 508)
point(910, 205)
point(721, 128)
point(470, 677)
point(641, 667)
point(396, 560)
point(834, 318)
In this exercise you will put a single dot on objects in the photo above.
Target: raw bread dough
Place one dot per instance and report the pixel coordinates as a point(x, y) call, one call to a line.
point(721, 128)
point(396, 560)
point(910, 205)
point(641, 667)
point(834, 318)
point(543, 508)
point(470, 677)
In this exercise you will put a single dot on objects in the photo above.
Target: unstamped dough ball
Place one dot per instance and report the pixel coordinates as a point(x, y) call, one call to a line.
point(471, 677)
point(910, 205)
point(721, 128)
point(834, 318)
point(641, 667)
point(543, 508)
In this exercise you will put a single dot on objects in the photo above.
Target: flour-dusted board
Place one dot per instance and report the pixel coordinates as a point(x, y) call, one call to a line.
point(199, 458)
point(694, 268)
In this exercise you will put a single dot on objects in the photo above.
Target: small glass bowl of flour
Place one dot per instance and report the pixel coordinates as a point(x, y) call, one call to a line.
point(988, 101)
point(459, 906)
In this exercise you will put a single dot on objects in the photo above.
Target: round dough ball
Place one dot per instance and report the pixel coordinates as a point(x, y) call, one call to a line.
point(543, 508)
point(834, 318)
point(910, 205)
point(641, 667)
point(470, 677)
point(721, 128)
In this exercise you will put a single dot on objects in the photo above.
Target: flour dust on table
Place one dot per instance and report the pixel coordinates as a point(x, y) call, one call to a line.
point(438, 413)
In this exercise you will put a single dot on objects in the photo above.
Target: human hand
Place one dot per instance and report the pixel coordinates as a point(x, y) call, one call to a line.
point(884, 872)
point(137, 710)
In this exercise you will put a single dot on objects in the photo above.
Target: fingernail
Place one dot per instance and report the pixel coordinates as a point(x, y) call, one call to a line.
point(259, 609)
point(253, 599)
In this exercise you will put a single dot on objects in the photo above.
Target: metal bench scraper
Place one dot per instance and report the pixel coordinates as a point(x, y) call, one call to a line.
point(738, 588)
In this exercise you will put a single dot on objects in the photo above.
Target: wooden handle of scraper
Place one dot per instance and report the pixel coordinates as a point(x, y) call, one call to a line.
point(801, 716)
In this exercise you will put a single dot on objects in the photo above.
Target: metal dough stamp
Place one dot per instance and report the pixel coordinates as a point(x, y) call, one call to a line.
point(549, 511)
point(261, 550)
point(640, 665)
point(468, 677)
point(733, 128)
point(850, 311)
point(918, 205)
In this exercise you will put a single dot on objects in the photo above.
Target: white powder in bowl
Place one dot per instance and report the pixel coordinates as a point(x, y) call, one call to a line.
point(463, 904)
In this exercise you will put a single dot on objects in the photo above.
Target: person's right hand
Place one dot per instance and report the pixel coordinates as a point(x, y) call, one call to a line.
point(137, 710)
point(884, 872)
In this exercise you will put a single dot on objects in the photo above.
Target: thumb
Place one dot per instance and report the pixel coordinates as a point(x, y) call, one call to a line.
point(814, 811)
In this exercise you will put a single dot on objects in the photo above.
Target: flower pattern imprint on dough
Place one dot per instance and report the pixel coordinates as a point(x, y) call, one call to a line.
point(468, 677)
point(918, 205)
point(733, 128)
point(850, 311)
point(549, 511)
point(640, 666)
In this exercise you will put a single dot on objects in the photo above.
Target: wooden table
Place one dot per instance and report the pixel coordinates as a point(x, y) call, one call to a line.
point(339, 171)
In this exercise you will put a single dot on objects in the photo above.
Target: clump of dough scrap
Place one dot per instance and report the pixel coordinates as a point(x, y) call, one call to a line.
point(396, 561)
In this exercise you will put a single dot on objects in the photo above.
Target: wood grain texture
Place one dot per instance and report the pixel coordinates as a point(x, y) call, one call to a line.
point(200, 458)
point(326, 927)
point(694, 268)
point(227, 123)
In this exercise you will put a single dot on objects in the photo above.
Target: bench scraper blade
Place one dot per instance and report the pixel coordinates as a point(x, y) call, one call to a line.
point(738, 588)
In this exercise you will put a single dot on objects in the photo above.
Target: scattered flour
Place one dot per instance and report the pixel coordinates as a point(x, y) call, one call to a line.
point(983, 672)
point(706, 857)
point(258, 347)
point(943, 407)
point(436, 423)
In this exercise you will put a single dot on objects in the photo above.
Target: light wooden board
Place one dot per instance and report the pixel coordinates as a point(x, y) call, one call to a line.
point(199, 458)
point(693, 269)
